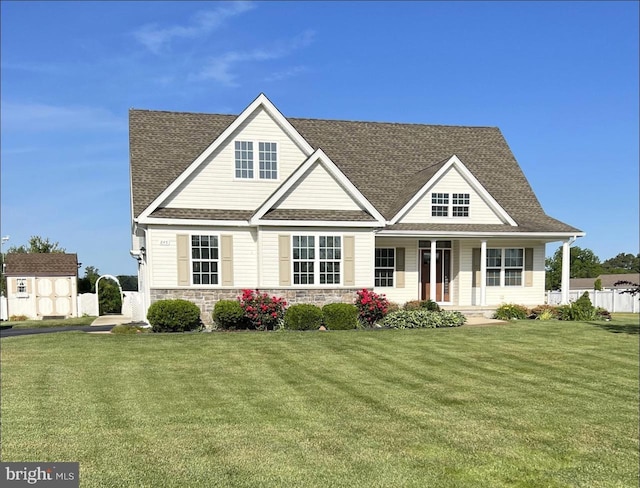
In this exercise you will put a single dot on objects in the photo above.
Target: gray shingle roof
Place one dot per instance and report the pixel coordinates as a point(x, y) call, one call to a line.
point(387, 162)
point(42, 264)
point(328, 215)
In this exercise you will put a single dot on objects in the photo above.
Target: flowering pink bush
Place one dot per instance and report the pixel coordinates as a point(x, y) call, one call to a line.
point(371, 306)
point(263, 311)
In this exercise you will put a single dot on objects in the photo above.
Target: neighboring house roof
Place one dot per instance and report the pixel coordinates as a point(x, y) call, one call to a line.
point(41, 264)
point(387, 162)
point(608, 281)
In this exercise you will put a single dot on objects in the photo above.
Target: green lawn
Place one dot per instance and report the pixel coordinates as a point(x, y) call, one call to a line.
point(529, 404)
point(38, 324)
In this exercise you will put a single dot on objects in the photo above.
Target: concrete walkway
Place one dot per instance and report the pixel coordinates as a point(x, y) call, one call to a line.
point(484, 321)
point(111, 320)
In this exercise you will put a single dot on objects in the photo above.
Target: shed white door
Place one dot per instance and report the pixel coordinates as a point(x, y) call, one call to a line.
point(53, 296)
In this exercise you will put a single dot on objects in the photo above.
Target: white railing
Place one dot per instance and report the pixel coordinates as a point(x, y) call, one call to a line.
point(611, 300)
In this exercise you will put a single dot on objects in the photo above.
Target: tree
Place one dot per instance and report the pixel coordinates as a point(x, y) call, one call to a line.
point(622, 263)
point(633, 290)
point(37, 245)
point(128, 282)
point(109, 300)
point(583, 264)
point(87, 284)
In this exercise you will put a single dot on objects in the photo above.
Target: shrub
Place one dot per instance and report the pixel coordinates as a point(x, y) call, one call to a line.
point(544, 312)
point(597, 285)
point(392, 307)
point(303, 316)
point(371, 306)
point(413, 305)
point(430, 305)
point(581, 309)
point(422, 305)
point(18, 318)
point(423, 318)
point(174, 316)
point(340, 316)
point(511, 311)
point(262, 311)
point(228, 314)
point(129, 329)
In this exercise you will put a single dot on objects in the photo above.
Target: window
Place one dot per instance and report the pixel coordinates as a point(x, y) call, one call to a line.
point(244, 159)
point(303, 260)
point(505, 267)
point(204, 260)
point(268, 157)
point(267, 160)
point(460, 203)
point(457, 206)
point(384, 266)
point(316, 260)
point(330, 254)
point(21, 286)
point(439, 204)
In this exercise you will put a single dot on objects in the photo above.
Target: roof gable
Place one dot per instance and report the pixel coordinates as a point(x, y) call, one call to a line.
point(316, 161)
point(455, 165)
point(260, 102)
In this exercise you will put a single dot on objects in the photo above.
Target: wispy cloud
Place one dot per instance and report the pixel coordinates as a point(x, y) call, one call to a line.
point(155, 38)
point(42, 117)
point(220, 69)
point(283, 75)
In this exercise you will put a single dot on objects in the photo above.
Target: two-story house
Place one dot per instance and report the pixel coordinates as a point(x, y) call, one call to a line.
point(313, 210)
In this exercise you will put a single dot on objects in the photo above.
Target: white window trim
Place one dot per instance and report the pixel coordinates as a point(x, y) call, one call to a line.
point(393, 268)
point(316, 260)
point(219, 260)
point(449, 206)
point(256, 160)
point(503, 268)
point(21, 294)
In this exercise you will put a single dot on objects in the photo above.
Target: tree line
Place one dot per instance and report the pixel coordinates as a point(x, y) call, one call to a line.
point(585, 264)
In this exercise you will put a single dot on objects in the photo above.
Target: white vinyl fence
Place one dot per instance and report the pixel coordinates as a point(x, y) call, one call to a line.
point(131, 305)
point(611, 300)
point(4, 313)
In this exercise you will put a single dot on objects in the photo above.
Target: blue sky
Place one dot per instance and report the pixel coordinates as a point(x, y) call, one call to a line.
point(560, 79)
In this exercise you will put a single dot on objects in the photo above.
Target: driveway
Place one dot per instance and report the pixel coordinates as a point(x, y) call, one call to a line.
point(18, 331)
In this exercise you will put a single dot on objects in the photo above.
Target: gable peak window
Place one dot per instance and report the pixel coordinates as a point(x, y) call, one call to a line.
point(450, 205)
point(245, 154)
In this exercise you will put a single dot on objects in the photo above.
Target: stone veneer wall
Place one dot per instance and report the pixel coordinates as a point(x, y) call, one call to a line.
point(206, 298)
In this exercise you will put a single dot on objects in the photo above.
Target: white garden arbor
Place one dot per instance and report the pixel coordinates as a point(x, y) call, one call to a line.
point(111, 277)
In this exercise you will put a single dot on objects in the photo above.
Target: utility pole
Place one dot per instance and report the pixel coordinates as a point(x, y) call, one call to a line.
point(4, 239)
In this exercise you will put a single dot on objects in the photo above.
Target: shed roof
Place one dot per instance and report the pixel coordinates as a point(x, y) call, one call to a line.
point(41, 264)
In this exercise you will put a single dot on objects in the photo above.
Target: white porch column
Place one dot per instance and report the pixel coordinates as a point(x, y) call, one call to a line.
point(483, 273)
point(566, 266)
point(432, 272)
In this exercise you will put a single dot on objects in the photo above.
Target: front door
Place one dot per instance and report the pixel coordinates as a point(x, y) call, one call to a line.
point(443, 274)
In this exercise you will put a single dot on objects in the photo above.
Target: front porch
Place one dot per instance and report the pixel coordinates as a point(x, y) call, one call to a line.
point(462, 273)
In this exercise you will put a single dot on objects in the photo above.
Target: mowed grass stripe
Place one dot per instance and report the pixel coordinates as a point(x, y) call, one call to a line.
point(531, 404)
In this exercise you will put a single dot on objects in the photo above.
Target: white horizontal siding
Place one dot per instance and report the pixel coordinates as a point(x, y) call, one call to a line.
point(452, 182)
point(317, 189)
point(270, 262)
point(411, 290)
point(162, 254)
point(496, 295)
point(214, 186)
